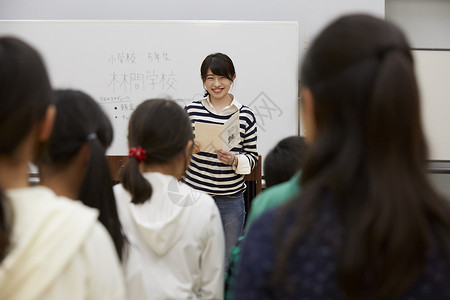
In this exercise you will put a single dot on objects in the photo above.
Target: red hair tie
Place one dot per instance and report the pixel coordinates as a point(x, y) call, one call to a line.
point(137, 152)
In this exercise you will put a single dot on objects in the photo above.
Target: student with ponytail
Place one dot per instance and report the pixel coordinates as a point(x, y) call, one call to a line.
point(74, 164)
point(175, 232)
point(49, 245)
point(367, 223)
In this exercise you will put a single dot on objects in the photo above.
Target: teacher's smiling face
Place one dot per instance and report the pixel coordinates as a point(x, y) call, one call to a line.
point(217, 86)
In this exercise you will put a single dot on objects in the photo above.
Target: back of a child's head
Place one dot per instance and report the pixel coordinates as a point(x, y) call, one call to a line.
point(360, 72)
point(367, 157)
point(284, 160)
point(25, 95)
point(25, 92)
point(162, 129)
point(81, 121)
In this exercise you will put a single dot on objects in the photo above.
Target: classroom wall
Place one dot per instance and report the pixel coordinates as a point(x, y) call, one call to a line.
point(440, 177)
point(311, 15)
point(426, 22)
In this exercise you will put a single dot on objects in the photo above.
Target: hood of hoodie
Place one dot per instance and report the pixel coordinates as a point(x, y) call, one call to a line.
point(47, 232)
point(162, 219)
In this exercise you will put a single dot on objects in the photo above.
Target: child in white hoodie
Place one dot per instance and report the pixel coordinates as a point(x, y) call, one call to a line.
point(50, 247)
point(175, 232)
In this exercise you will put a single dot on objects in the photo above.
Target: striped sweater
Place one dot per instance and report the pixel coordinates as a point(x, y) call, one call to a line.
point(206, 172)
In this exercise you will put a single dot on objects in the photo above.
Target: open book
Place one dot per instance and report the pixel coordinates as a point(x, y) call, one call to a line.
point(213, 137)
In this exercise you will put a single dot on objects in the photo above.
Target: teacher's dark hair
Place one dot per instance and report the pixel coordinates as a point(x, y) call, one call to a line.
point(80, 120)
point(219, 64)
point(369, 156)
point(163, 129)
point(25, 95)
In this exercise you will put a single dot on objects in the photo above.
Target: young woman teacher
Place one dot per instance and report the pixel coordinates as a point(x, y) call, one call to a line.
point(221, 174)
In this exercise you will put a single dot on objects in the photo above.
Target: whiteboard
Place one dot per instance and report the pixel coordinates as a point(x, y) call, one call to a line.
point(122, 63)
point(433, 75)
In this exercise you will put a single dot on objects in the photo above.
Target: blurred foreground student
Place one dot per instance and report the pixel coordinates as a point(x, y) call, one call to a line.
point(175, 232)
point(50, 247)
point(74, 163)
point(367, 224)
point(282, 169)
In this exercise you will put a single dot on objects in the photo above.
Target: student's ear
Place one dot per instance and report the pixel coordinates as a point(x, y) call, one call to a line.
point(308, 114)
point(85, 153)
point(47, 124)
point(188, 149)
point(234, 77)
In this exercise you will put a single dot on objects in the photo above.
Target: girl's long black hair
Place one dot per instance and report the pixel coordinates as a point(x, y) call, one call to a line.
point(81, 120)
point(163, 129)
point(369, 154)
point(25, 95)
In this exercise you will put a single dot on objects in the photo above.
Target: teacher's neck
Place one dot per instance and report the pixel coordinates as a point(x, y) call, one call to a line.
point(220, 104)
